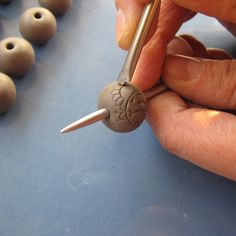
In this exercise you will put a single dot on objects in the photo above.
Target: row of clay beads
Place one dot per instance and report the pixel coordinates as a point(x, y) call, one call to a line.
point(37, 25)
point(17, 56)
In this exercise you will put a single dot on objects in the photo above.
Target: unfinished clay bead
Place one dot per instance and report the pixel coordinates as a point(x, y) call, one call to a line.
point(57, 7)
point(7, 93)
point(38, 25)
point(17, 56)
point(126, 105)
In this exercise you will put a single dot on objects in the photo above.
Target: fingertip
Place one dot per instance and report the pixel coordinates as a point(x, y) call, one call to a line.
point(149, 67)
point(179, 68)
point(121, 25)
point(128, 15)
point(218, 54)
point(179, 46)
point(199, 50)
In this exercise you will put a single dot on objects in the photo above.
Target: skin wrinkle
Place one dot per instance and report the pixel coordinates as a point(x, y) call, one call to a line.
point(151, 60)
point(219, 141)
point(214, 87)
point(179, 16)
point(175, 124)
point(201, 117)
point(200, 123)
point(230, 72)
point(225, 88)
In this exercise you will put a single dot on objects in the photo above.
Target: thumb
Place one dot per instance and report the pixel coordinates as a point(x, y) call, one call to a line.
point(207, 82)
point(201, 136)
point(224, 10)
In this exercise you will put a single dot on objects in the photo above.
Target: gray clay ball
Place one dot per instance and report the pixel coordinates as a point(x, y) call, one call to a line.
point(38, 25)
point(57, 7)
point(7, 93)
point(126, 104)
point(17, 56)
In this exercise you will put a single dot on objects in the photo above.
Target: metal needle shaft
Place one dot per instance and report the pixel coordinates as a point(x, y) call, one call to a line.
point(138, 41)
point(104, 113)
point(87, 120)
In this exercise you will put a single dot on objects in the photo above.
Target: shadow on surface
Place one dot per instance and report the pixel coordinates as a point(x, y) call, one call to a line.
point(11, 10)
point(11, 116)
point(27, 81)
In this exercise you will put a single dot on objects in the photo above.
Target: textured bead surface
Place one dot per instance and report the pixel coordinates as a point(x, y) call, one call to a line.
point(7, 93)
point(38, 25)
point(57, 7)
point(17, 56)
point(126, 104)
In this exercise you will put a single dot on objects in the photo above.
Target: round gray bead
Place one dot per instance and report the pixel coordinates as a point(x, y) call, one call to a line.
point(126, 105)
point(38, 25)
point(17, 56)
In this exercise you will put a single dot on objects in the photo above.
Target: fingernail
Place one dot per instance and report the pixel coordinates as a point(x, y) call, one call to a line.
point(121, 25)
point(179, 46)
point(182, 67)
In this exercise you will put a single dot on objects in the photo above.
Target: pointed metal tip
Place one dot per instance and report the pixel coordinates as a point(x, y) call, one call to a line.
point(65, 130)
point(87, 120)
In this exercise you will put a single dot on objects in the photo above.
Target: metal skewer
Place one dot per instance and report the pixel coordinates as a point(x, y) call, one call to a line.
point(87, 120)
point(138, 41)
point(129, 66)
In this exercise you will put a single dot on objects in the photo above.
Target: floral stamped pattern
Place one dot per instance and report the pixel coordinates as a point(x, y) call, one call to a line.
point(130, 103)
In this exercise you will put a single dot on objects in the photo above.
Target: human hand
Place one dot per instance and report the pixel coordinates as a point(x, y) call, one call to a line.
point(148, 69)
point(194, 130)
point(171, 17)
point(200, 135)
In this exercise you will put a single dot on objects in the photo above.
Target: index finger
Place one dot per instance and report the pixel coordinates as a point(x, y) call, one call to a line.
point(149, 66)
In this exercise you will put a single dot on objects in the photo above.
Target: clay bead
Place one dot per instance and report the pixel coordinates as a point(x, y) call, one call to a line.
point(57, 7)
point(38, 25)
point(7, 93)
point(17, 56)
point(126, 105)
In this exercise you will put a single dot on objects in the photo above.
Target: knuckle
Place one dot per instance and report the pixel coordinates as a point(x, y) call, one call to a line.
point(221, 76)
point(169, 137)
